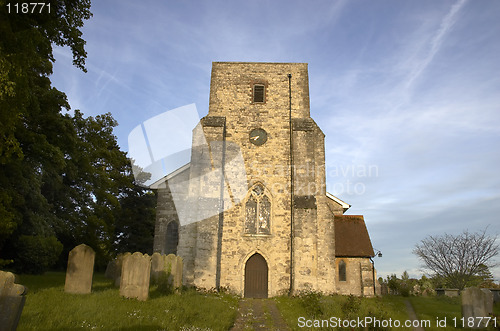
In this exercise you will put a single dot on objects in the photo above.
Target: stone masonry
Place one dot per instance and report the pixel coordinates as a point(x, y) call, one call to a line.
point(300, 256)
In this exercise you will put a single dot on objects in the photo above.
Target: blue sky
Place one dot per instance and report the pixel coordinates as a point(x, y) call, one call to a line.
point(407, 93)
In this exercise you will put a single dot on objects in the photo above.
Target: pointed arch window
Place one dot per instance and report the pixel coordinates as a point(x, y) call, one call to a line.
point(258, 212)
point(172, 238)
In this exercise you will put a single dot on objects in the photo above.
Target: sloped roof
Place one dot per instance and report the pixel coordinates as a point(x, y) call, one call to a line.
point(171, 175)
point(351, 236)
point(344, 204)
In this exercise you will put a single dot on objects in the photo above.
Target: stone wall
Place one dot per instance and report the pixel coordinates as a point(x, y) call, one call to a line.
point(232, 116)
point(268, 165)
point(359, 277)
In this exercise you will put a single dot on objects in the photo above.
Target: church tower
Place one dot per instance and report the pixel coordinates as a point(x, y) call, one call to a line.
point(274, 233)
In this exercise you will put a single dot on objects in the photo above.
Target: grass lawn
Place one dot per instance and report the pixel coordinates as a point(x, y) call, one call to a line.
point(48, 307)
point(439, 307)
point(442, 307)
point(340, 307)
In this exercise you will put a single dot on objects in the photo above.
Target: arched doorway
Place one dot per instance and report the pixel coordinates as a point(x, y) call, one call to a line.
point(256, 277)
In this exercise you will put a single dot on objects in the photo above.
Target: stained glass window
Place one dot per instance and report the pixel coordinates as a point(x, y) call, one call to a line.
point(258, 212)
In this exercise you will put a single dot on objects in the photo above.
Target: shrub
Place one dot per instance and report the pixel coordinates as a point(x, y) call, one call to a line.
point(36, 254)
point(311, 302)
point(351, 306)
point(165, 283)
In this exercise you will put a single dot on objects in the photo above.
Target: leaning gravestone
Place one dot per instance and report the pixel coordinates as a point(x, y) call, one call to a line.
point(12, 298)
point(80, 270)
point(135, 275)
point(114, 269)
point(476, 303)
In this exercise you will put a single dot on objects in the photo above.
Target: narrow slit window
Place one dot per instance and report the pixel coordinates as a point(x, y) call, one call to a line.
point(259, 93)
point(342, 271)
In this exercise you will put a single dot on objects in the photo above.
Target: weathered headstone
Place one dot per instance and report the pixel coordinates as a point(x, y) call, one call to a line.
point(80, 270)
point(177, 272)
point(167, 268)
point(114, 269)
point(476, 303)
point(12, 298)
point(496, 294)
point(135, 276)
point(157, 267)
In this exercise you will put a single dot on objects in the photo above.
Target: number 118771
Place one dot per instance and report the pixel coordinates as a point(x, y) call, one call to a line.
point(28, 8)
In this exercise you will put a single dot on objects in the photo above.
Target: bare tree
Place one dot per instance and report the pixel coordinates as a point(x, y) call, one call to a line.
point(458, 259)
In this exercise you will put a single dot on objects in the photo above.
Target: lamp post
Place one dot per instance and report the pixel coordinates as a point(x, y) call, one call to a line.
point(378, 254)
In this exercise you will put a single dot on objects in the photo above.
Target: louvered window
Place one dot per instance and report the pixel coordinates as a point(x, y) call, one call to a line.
point(259, 93)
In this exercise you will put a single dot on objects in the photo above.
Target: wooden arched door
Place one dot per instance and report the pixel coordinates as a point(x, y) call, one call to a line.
point(256, 277)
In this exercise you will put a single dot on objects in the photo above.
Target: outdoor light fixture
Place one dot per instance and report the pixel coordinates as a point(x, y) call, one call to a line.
point(378, 254)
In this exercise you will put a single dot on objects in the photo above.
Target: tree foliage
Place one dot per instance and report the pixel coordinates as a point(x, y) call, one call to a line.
point(458, 259)
point(29, 105)
point(37, 253)
point(135, 219)
point(61, 177)
point(26, 60)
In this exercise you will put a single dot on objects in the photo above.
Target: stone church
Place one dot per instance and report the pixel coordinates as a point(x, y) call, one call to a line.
point(250, 212)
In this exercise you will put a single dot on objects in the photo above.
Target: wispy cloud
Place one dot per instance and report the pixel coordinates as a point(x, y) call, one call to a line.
point(409, 87)
point(435, 42)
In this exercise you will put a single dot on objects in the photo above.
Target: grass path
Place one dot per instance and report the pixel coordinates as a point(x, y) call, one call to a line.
point(259, 314)
point(412, 315)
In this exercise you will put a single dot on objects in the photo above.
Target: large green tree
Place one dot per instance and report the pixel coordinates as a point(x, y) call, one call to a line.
point(63, 179)
point(26, 59)
point(86, 195)
point(30, 108)
point(135, 219)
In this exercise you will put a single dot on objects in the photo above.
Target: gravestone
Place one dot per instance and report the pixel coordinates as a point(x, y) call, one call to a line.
point(80, 270)
point(476, 303)
point(157, 267)
point(135, 276)
point(496, 294)
point(166, 268)
point(12, 299)
point(114, 269)
point(177, 272)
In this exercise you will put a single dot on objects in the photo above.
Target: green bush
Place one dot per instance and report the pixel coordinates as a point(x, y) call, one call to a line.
point(310, 301)
point(36, 254)
point(351, 307)
point(165, 283)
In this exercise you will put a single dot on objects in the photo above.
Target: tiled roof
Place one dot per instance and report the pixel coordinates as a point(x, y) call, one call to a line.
point(351, 236)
